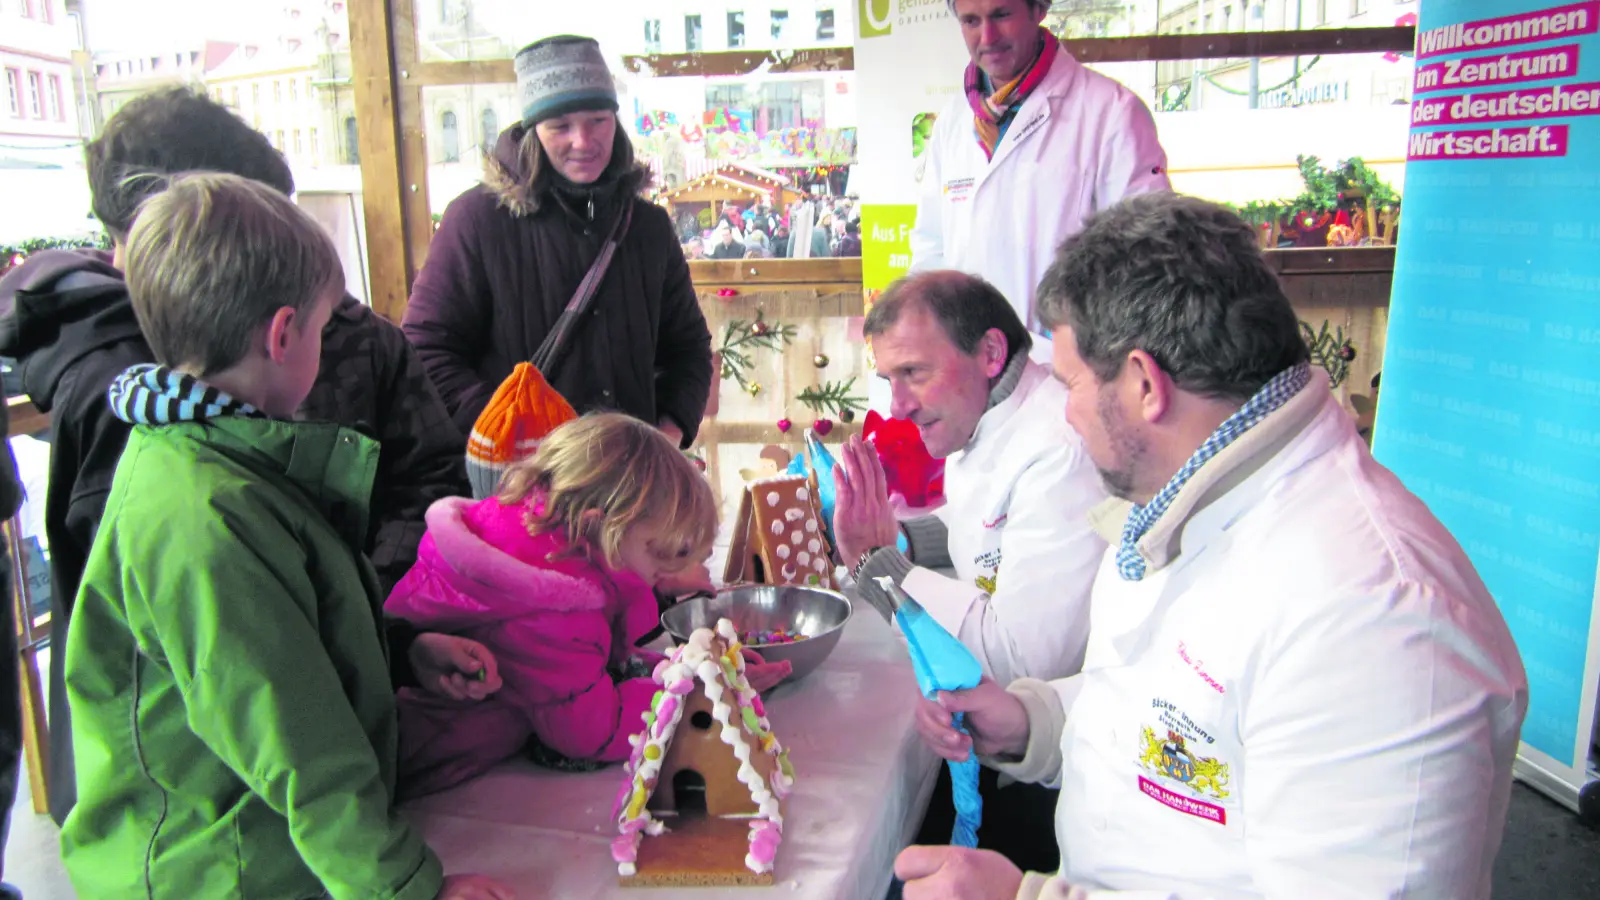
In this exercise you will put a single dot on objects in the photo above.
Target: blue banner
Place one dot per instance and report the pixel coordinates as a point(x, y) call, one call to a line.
point(1490, 402)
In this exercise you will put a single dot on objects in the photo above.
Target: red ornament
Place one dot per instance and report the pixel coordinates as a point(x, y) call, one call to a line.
point(1347, 353)
point(784, 425)
point(823, 426)
point(725, 293)
point(699, 463)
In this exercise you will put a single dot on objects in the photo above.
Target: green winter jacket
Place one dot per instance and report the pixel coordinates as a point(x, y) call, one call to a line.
point(233, 719)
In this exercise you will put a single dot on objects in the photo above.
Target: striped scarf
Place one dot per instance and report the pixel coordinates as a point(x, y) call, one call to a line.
point(1273, 394)
point(992, 113)
point(148, 394)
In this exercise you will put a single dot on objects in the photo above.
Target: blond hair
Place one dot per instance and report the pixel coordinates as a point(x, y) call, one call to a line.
point(626, 471)
point(212, 257)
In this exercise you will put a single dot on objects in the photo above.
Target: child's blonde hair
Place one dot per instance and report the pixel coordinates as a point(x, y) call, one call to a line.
point(626, 471)
point(212, 257)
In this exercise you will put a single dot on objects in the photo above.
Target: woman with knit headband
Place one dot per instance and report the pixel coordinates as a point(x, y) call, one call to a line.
point(557, 220)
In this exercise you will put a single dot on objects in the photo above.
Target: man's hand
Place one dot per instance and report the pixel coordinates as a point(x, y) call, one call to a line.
point(956, 873)
point(473, 887)
point(998, 722)
point(862, 517)
point(449, 666)
point(762, 675)
point(671, 430)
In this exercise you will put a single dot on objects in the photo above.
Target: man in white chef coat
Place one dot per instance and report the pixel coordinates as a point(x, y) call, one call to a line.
point(1018, 489)
point(1296, 685)
point(1033, 145)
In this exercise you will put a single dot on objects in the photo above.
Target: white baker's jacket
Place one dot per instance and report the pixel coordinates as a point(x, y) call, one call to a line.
point(1080, 143)
point(1317, 698)
point(1017, 499)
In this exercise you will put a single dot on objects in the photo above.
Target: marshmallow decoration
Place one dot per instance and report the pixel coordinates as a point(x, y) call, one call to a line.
point(705, 720)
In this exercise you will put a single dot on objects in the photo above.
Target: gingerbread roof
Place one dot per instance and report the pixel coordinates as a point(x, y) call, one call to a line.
point(711, 659)
point(789, 527)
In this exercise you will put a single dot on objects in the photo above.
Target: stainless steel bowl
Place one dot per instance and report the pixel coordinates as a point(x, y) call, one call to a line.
point(818, 614)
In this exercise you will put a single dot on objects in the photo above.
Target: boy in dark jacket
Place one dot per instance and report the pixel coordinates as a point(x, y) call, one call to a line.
point(66, 317)
point(235, 727)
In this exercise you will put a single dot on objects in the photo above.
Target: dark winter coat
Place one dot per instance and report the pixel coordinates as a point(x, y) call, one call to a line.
point(498, 276)
point(66, 317)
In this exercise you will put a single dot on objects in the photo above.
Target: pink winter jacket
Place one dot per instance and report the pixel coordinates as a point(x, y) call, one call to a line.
point(554, 627)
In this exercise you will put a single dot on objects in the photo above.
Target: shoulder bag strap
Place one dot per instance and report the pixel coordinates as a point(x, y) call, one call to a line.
point(559, 339)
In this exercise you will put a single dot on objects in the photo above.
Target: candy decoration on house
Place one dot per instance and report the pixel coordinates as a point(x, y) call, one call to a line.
point(741, 340)
point(779, 535)
point(1330, 350)
point(708, 763)
point(909, 469)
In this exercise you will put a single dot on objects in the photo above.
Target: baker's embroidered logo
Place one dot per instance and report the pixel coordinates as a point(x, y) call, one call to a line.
point(989, 560)
point(1202, 777)
point(1172, 758)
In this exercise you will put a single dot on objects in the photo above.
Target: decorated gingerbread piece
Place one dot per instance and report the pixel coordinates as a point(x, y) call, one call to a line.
point(703, 800)
point(778, 536)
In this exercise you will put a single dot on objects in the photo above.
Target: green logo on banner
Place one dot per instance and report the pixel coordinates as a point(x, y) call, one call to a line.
point(876, 17)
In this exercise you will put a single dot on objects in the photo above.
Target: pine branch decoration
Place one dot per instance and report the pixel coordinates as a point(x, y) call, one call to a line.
point(1332, 351)
point(740, 341)
point(832, 398)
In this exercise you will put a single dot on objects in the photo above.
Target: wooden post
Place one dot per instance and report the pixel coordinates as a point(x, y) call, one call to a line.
point(378, 121)
point(35, 729)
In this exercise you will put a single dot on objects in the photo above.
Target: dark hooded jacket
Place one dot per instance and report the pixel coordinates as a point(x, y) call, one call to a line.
point(66, 317)
point(499, 274)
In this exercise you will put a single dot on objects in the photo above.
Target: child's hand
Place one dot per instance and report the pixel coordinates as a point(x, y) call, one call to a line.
point(473, 887)
point(762, 675)
point(454, 667)
point(690, 581)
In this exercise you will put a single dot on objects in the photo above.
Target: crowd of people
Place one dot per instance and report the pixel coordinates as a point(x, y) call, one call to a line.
point(1225, 652)
point(757, 231)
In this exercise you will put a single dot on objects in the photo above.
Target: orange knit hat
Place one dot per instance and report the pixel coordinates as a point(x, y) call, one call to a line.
point(522, 411)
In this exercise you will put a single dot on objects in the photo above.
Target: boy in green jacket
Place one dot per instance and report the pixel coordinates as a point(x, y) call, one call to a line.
point(234, 723)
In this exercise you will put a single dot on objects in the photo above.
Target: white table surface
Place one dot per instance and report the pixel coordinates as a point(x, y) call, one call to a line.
point(862, 783)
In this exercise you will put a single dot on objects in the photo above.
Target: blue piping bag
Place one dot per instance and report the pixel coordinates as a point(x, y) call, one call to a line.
point(943, 663)
point(816, 458)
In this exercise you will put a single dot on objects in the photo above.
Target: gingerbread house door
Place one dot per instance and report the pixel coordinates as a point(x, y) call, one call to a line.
point(697, 750)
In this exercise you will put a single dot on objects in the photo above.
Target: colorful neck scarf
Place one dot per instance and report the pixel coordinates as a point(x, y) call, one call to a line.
point(148, 394)
point(1275, 393)
point(993, 112)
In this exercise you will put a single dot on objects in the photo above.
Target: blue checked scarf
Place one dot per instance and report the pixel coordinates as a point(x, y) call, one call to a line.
point(1272, 395)
point(148, 394)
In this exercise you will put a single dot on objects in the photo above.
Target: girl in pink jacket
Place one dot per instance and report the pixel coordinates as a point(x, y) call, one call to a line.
point(554, 576)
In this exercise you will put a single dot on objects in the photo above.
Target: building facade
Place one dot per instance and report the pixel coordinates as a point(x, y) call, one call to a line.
point(39, 114)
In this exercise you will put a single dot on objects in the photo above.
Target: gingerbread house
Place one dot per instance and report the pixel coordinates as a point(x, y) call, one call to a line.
point(778, 536)
point(703, 800)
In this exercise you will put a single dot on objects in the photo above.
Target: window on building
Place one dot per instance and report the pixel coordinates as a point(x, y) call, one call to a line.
point(14, 93)
point(278, 141)
point(735, 30)
point(299, 146)
point(780, 21)
point(294, 90)
point(52, 96)
point(35, 96)
point(652, 35)
point(1322, 12)
point(233, 96)
point(452, 137)
point(255, 95)
point(1358, 7)
point(27, 8)
point(691, 33)
point(489, 123)
point(352, 147)
point(311, 92)
point(277, 91)
point(315, 150)
point(45, 7)
point(824, 24)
